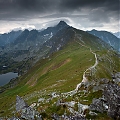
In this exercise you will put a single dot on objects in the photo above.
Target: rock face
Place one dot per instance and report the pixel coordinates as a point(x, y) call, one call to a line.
point(25, 111)
point(110, 101)
point(20, 104)
point(10, 37)
point(64, 117)
point(112, 96)
point(98, 105)
point(116, 77)
point(14, 118)
point(108, 37)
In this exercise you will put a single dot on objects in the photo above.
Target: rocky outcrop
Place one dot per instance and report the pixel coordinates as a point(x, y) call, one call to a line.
point(116, 77)
point(25, 111)
point(14, 118)
point(98, 105)
point(110, 101)
point(112, 97)
point(65, 117)
point(20, 104)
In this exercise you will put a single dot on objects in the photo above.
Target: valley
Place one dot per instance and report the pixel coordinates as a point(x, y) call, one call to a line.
point(62, 76)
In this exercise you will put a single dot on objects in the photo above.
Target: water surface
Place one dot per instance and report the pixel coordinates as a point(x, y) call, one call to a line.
point(5, 78)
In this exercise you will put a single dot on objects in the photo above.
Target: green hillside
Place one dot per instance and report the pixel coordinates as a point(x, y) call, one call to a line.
point(61, 72)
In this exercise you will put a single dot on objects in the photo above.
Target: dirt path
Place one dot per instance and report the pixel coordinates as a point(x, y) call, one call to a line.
point(90, 68)
point(84, 79)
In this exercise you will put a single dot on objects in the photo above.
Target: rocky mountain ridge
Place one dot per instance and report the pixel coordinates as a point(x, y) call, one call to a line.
point(108, 37)
point(74, 68)
point(109, 103)
point(8, 38)
point(28, 47)
point(117, 34)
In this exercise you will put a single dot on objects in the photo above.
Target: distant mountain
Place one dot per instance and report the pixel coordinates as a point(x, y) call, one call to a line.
point(39, 36)
point(117, 34)
point(28, 46)
point(9, 37)
point(68, 34)
point(31, 41)
point(108, 37)
point(72, 71)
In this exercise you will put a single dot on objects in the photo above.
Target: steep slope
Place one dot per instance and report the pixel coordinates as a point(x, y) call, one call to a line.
point(33, 40)
point(76, 61)
point(9, 37)
point(108, 38)
point(117, 34)
point(27, 48)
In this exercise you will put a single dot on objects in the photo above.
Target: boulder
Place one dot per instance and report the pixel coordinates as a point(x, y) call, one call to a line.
point(14, 118)
point(97, 104)
point(20, 104)
point(110, 101)
point(26, 112)
point(112, 96)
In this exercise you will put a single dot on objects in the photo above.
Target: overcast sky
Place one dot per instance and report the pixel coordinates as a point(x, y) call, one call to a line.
point(38, 14)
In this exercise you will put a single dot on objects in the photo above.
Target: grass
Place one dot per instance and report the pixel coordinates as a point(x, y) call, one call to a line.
point(61, 72)
point(46, 76)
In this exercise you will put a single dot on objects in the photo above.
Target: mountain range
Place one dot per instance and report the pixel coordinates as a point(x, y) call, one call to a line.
point(117, 34)
point(29, 46)
point(108, 37)
point(8, 38)
point(64, 72)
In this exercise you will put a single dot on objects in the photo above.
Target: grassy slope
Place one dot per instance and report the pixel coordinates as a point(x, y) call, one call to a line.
point(61, 72)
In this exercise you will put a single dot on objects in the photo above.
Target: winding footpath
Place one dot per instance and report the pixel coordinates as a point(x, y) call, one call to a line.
point(84, 78)
point(90, 68)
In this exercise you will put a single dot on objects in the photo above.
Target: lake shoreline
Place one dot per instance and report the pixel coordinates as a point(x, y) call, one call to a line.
point(7, 77)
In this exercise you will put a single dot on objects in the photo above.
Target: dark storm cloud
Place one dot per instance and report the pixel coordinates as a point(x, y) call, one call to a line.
point(27, 5)
point(108, 4)
point(11, 9)
point(24, 8)
point(99, 10)
point(61, 4)
point(79, 13)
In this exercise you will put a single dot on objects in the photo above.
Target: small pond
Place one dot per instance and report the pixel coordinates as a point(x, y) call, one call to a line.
point(5, 78)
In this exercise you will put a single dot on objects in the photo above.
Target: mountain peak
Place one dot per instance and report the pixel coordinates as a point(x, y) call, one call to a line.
point(62, 23)
point(93, 30)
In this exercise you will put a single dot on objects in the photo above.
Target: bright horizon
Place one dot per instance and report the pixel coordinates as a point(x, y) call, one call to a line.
point(38, 14)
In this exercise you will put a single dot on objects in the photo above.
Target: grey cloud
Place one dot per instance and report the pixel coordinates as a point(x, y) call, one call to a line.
point(99, 15)
point(17, 7)
point(108, 4)
point(97, 12)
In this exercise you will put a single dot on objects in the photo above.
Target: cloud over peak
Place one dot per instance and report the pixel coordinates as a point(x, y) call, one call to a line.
point(74, 11)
